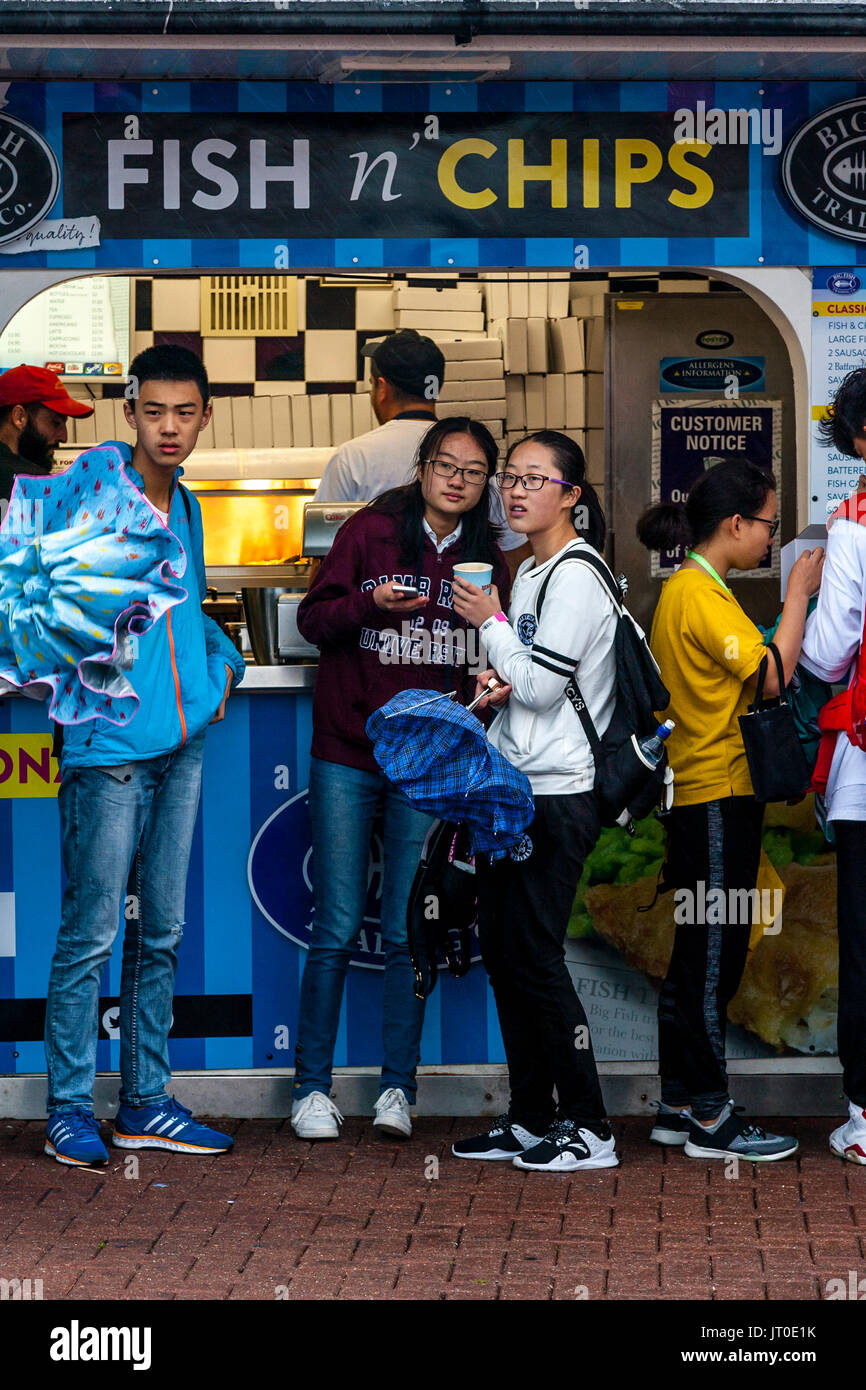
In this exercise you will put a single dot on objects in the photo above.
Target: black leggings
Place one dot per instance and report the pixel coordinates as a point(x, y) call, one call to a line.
point(714, 845)
point(523, 912)
point(851, 905)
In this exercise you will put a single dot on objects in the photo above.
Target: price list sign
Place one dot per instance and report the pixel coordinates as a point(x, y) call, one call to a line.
point(838, 347)
point(77, 329)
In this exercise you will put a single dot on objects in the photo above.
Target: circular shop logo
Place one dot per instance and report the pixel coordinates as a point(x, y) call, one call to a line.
point(29, 178)
point(824, 169)
point(279, 873)
point(716, 339)
point(843, 282)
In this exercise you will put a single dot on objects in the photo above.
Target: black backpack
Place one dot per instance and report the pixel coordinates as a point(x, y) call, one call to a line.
point(624, 780)
point(441, 915)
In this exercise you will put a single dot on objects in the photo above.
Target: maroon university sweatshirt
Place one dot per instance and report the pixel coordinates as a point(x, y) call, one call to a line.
point(368, 656)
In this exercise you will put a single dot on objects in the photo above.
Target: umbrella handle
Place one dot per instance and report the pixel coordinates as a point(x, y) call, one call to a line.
point(488, 690)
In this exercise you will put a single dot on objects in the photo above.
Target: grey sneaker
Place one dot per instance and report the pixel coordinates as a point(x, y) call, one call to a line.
point(671, 1126)
point(733, 1137)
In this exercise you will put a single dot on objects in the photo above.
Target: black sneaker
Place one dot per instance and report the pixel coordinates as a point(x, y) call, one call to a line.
point(568, 1146)
point(503, 1140)
point(671, 1126)
point(733, 1137)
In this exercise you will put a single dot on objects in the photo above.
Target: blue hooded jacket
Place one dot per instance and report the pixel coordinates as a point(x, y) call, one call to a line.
point(179, 671)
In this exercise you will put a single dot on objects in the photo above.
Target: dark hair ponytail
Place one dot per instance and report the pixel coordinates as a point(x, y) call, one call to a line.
point(730, 488)
point(569, 458)
point(847, 415)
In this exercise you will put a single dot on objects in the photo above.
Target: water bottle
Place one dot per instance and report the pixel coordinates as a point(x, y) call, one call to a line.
point(653, 747)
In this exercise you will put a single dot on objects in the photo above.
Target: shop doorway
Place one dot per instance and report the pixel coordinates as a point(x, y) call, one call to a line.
point(681, 350)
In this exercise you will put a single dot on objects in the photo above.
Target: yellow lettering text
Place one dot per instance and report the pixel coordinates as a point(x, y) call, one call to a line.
point(590, 173)
point(555, 173)
point(701, 181)
point(627, 172)
point(447, 174)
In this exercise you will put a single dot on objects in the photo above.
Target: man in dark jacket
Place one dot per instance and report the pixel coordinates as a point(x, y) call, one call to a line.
point(34, 408)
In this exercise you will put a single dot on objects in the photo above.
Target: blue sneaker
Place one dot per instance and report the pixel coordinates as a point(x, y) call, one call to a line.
point(72, 1136)
point(166, 1126)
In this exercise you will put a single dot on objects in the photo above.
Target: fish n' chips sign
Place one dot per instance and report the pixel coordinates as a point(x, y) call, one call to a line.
point(282, 175)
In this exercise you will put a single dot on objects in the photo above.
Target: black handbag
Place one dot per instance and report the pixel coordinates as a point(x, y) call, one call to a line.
point(778, 766)
point(442, 910)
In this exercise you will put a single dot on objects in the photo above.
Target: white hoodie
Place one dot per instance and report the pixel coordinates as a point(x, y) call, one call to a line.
point(830, 646)
point(538, 730)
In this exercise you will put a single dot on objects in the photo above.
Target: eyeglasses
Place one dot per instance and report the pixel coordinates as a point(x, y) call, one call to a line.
point(530, 482)
point(473, 477)
point(773, 525)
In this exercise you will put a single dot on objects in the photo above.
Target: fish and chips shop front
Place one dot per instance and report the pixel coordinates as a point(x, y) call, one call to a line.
point(670, 269)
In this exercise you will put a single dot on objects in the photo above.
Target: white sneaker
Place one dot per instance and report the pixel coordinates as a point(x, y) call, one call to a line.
point(849, 1140)
point(567, 1147)
point(391, 1116)
point(316, 1117)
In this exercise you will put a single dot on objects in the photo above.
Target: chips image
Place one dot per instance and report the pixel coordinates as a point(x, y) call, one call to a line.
point(789, 991)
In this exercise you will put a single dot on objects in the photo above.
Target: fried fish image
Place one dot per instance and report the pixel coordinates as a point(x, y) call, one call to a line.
point(789, 991)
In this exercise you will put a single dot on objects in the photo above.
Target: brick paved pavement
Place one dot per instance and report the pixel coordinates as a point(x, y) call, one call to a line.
point(367, 1219)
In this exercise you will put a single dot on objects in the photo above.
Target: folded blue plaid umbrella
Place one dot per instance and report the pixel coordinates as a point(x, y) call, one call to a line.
point(86, 566)
point(437, 753)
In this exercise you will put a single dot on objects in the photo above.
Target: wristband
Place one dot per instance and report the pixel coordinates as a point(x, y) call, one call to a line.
point(494, 618)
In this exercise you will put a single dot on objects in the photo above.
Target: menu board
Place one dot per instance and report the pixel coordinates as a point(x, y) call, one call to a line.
point(838, 347)
point(77, 329)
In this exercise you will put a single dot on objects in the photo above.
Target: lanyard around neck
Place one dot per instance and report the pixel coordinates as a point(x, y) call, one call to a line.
point(705, 564)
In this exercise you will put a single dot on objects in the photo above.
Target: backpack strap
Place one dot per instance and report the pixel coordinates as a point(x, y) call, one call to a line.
point(595, 562)
point(185, 499)
point(572, 693)
point(572, 689)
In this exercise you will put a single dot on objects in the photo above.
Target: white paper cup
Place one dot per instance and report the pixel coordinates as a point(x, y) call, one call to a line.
point(475, 573)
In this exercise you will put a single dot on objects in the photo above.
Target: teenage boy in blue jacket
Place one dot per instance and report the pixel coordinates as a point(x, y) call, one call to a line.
point(128, 800)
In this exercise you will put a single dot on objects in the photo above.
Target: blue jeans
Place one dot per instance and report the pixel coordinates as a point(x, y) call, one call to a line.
point(343, 805)
point(125, 830)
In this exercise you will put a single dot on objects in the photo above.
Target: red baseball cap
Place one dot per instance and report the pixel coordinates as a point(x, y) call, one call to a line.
point(35, 386)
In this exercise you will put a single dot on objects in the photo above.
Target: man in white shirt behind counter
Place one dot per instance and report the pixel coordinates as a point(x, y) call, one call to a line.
point(406, 374)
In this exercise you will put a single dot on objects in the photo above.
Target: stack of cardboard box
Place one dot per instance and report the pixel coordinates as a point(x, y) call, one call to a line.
point(436, 312)
point(552, 397)
point(587, 306)
point(474, 381)
point(251, 422)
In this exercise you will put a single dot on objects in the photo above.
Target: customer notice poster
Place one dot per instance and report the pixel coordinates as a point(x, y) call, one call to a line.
point(690, 436)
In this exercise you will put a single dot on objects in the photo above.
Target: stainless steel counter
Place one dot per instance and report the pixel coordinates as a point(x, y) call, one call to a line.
point(297, 676)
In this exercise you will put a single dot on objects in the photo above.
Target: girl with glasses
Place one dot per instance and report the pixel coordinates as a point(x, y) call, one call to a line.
point(380, 611)
point(525, 901)
point(709, 653)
